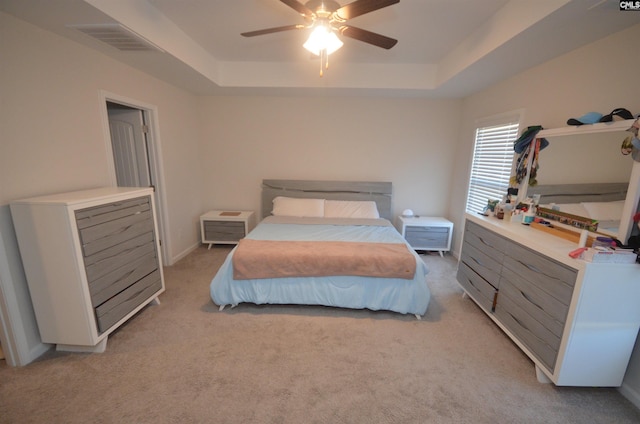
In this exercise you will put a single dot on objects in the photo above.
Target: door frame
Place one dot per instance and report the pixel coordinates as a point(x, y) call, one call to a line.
point(150, 113)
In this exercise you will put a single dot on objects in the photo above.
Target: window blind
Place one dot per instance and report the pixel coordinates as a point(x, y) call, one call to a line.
point(492, 164)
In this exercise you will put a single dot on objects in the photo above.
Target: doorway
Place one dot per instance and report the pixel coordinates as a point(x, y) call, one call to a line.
point(130, 146)
point(135, 160)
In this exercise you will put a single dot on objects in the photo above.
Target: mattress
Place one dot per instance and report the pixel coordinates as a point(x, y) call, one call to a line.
point(402, 295)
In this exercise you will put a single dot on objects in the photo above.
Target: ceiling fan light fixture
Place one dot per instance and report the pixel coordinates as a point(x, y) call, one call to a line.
point(324, 17)
point(322, 39)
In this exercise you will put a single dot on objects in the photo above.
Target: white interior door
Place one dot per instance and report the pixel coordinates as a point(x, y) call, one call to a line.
point(129, 142)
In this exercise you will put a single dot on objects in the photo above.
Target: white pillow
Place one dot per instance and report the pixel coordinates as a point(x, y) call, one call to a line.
point(604, 211)
point(350, 209)
point(288, 206)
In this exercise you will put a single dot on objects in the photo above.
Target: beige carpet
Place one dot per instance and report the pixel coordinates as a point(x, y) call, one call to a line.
point(185, 362)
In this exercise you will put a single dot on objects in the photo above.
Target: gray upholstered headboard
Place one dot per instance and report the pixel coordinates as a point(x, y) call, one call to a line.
point(379, 192)
point(576, 193)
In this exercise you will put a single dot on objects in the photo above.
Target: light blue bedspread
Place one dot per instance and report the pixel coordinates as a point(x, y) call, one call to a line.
point(393, 294)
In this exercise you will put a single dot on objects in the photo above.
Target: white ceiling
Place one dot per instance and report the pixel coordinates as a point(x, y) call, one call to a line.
point(446, 48)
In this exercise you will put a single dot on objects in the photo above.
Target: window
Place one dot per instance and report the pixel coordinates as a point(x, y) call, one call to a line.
point(492, 163)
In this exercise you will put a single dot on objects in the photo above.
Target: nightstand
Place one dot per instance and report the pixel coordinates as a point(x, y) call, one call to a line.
point(427, 232)
point(225, 227)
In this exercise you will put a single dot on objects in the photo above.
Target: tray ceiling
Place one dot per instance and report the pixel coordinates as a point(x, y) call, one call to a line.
point(445, 48)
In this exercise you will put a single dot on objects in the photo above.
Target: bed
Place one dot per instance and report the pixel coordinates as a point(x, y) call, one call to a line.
point(298, 253)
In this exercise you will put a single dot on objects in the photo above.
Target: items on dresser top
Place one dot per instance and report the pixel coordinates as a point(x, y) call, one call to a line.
point(609, 255)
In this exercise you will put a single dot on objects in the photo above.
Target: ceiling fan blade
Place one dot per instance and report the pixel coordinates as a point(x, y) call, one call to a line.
point(360, 7)
point(368, 36)
point(299, 7)
point(271, 30)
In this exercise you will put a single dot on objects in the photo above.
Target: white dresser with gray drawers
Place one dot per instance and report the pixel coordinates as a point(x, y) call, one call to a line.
point(576, 320)
point(92, 260)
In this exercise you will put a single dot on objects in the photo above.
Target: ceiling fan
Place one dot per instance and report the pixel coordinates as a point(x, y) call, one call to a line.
point(327, 18)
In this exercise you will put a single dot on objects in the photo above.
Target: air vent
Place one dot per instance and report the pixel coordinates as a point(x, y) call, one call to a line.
point(117, 36)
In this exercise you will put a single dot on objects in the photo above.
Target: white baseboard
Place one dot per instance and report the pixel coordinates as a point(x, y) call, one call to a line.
point(37, 351)
point(184, 253)
point(631, 394)
point(26, 356)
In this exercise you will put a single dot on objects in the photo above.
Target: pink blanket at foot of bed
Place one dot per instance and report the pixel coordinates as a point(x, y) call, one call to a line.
point(254, 259)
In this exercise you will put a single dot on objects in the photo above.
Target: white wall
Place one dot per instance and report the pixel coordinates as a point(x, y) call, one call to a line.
point(52, 139)
point(410, 142)
point(599, 77)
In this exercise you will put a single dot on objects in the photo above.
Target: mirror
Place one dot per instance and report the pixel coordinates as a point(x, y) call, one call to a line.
point(583, 172)
point(584, 158)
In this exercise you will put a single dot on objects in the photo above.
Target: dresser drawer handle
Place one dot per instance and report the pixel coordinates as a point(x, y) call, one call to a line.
point(124, 229)
point(133, 295)
point(121, 253)
point(531, 267)
point(479, 262)
point(537, 271)
point(528, 299)
point(484, 242)
point(519, 322)
point(471, 283)
point(127, 275)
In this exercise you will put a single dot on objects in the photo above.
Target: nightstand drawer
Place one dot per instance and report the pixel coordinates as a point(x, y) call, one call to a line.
point(433, 237)
point(223, 230)
point(426, 232)
point(426, 229)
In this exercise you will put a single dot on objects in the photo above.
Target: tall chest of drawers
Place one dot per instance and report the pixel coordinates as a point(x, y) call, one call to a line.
point(577, 321)
point(91, 259)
